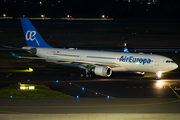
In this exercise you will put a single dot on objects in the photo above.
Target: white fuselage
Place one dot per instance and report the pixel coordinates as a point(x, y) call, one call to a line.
point(124, 61)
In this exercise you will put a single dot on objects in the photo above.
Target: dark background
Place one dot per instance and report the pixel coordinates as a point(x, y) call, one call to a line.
point(91, 8)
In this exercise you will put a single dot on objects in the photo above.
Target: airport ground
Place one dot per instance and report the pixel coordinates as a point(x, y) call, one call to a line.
point(131, 97)
point(124, 96)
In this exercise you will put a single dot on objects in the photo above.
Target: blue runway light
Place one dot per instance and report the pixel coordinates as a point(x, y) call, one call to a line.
point(57, 81)
point(70, 83)
point(96, 93)
point(107, 96)
point(82, 88)
point(175, 51)
point(11, 96)
point(77, 96)
point(28, 80)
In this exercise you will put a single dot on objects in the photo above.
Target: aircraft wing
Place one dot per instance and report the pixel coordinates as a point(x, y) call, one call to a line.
point(67, 61)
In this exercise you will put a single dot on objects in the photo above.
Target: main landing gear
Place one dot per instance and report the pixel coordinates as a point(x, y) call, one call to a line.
point(86, 75)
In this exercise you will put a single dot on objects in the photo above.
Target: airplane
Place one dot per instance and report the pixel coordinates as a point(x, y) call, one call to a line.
point(100, 63)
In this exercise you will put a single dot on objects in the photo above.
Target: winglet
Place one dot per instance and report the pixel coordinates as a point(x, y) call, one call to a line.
point(14, 55)
point(126, 50)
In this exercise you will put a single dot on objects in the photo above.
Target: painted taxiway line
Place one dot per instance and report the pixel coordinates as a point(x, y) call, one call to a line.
point(8, 75)
point(173, 89)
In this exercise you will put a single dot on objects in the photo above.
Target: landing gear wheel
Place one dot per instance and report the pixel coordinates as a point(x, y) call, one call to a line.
point(82, 75)
point(87, 75)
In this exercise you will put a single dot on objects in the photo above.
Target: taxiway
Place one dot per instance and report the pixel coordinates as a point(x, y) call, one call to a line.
point(128, 96)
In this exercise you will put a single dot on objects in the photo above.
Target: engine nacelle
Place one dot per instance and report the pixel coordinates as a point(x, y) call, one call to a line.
point(103, 71)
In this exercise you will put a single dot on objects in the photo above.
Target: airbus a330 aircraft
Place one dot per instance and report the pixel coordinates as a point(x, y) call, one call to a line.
point(100, 63)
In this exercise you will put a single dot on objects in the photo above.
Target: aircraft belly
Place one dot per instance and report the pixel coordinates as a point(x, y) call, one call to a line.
point(136, 67)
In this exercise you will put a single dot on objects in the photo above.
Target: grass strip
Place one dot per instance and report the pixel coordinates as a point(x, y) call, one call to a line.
point(40, 91)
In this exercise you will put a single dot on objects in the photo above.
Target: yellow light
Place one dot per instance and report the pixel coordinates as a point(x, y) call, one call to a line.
point(125, 44)
point(23, 87)
point(27, 87)
point(40, 2)
point(31, 87)
point(30, 69)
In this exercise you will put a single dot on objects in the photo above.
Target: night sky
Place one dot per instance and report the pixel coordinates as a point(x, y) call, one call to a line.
point(91, 8)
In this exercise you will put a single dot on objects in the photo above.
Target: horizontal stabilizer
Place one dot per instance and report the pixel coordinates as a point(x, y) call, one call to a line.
point(14, 55)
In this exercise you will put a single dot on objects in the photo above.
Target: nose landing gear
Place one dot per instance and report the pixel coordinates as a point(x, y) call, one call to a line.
point(158, 75)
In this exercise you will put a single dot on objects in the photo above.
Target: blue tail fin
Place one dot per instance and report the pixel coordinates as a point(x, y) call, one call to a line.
point(126, 50)
point(33, 38)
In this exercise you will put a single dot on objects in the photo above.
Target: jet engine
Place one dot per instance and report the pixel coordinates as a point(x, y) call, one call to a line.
point(102, 71)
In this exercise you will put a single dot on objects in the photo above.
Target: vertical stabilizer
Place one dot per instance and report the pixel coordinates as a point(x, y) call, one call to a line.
point(126, 50)
point(33, 38)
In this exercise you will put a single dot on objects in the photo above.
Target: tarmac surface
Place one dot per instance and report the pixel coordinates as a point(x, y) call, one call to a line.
point(123, 96)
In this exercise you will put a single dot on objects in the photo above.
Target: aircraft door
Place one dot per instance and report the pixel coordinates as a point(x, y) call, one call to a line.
point(82, 56)
point(156, 64)
point(49, 52)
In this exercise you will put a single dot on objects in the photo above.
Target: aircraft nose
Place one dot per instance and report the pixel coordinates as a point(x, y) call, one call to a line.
point(175, 65)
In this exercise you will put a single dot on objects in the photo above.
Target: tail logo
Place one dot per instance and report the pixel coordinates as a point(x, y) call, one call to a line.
point(30, 35)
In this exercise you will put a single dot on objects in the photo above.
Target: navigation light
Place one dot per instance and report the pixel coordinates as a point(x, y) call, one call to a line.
point(30, 69)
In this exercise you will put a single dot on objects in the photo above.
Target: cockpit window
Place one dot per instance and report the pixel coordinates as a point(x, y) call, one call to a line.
point(169, 61)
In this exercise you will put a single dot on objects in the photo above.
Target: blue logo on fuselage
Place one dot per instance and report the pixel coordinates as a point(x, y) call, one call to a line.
point(131, 59)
